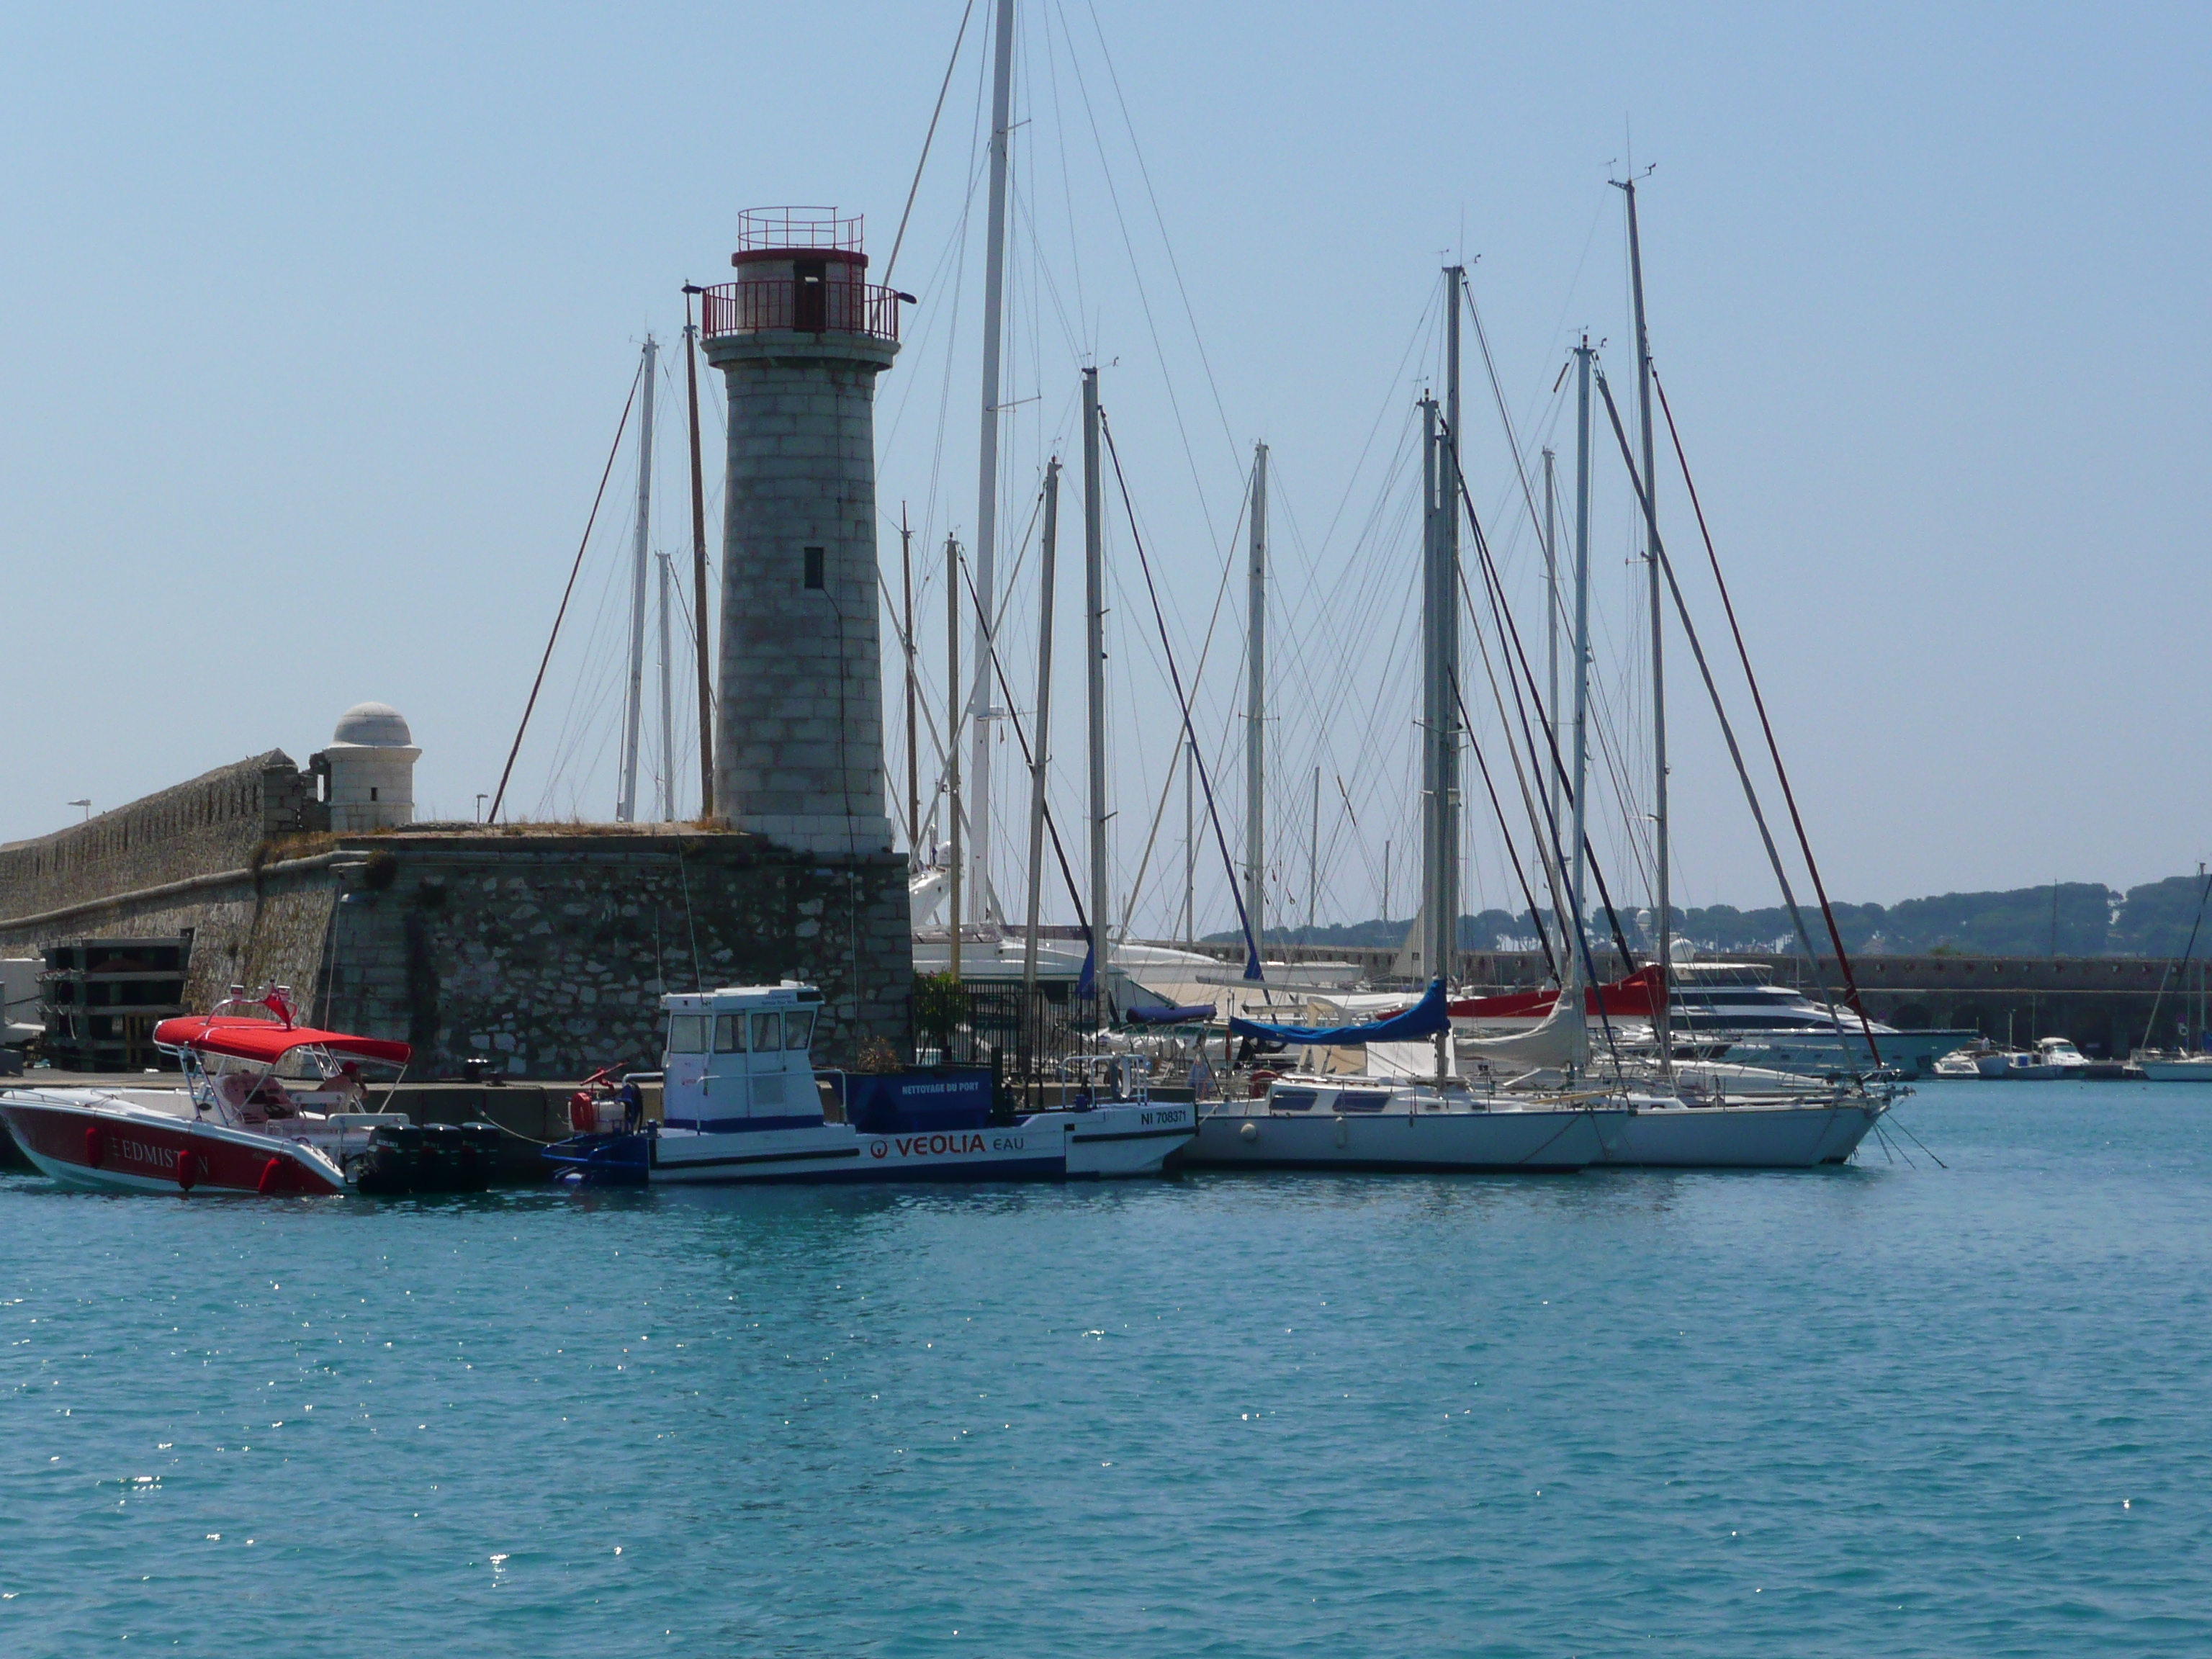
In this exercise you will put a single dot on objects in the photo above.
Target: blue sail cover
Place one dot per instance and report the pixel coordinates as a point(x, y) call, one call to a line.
point(1424, 1019)
point(1186, 1013)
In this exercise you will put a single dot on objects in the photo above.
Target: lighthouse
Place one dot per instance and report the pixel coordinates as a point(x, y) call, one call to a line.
point(800, 336)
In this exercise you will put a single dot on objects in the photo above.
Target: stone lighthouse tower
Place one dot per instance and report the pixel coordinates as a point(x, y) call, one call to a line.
point(800, 338)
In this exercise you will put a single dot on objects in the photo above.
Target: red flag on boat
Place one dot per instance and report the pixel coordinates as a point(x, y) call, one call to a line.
point(274, 1003)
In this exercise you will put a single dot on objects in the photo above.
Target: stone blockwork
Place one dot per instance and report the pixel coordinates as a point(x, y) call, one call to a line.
point(798, 738)
point(212, 823)
point(253, 929)
point(547, 955)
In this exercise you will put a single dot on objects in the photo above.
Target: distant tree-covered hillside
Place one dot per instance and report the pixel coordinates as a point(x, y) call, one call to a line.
point(2071, 919)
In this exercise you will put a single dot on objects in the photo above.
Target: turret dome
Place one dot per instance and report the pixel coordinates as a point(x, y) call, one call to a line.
point(374, 726)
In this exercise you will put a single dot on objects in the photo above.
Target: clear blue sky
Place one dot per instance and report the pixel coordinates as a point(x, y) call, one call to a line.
point(314, 325)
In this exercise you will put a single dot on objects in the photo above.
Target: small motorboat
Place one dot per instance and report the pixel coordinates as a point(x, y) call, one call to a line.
point(742, 1103)
point(2052, 1058)
point(1962, 1063)
point(236, 1126)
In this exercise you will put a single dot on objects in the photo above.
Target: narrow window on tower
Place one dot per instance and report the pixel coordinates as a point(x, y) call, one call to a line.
point(372, 792)
point(814, 578)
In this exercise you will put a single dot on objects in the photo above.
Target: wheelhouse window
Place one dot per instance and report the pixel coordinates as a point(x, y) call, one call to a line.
point(767, 1033)
point(729, 1034)
point(687, 1034)
point(798, 1028)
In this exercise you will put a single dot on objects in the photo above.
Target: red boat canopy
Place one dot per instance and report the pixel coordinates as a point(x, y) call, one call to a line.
point(267, 1040)
point(1635, 997)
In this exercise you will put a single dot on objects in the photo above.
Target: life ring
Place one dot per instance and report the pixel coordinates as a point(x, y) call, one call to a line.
point(583, 1113)
point(92, 1149)
point(270, 1171)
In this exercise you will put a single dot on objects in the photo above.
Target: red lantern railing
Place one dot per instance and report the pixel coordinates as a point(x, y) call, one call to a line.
point(828, 305)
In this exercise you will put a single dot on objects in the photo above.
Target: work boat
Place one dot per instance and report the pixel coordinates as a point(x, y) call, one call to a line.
point(236, 1126)
point(1316, 1120)
point(742, 1102)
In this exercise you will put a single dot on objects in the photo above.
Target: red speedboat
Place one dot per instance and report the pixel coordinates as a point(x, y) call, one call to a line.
point(236, 1126)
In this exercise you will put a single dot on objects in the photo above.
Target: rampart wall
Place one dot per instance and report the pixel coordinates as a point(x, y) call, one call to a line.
point(212, 823)
point(544, 954)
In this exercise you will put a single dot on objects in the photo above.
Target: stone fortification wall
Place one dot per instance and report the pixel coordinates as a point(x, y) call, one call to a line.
point(211, 825)
point(270, 927)
point(544, 954)
point(547, 955)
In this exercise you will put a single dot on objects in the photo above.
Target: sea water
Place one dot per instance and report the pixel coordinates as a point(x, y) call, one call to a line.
point(1901, 1407)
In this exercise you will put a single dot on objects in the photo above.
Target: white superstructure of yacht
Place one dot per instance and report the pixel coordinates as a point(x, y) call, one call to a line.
point(1786, 1029)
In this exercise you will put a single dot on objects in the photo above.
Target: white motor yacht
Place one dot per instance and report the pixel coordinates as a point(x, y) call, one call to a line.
point(2052, 1059)
point(1783, 1029)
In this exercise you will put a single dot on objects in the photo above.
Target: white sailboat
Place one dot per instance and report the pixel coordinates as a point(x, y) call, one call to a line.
point(1706, 1115)
point(1442, 1121)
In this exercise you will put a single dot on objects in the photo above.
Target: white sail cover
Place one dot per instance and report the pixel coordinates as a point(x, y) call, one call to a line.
point(1407, 964)
point(1560, 1039)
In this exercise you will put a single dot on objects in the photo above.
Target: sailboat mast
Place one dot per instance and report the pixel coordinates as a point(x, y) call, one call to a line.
point(1189, 848)
point(952, 743)
point(1433, 950)
point(1256, 709)
point(1551, 636)
point(1573, 926)
point(913, 735)
point(986, 483)
point(1042, 753)
point(667, 701)
point(699, 572)
point(634, 704)
point(1449, 740)
point(1666, 928)
point(1094, 652)
point(1313, 859)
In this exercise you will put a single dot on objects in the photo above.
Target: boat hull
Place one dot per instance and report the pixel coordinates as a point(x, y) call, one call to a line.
point(88, 1145)
point(1107, 1143)
point(1529, 1143)
point(1777, 1137)
point(1828, 1054)
point(2177, 1071)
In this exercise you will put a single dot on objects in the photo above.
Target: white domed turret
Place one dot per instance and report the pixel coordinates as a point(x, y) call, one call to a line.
point(373, 726)
point(371, 762)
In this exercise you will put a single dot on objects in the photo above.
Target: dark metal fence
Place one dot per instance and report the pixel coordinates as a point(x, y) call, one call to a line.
point(1026, 1032)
